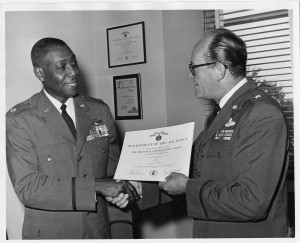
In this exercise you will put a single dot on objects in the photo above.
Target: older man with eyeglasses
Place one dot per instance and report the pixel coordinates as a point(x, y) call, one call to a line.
point(239, 162)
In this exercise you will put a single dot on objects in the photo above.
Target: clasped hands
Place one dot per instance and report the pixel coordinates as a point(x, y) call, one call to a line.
point(119, 192)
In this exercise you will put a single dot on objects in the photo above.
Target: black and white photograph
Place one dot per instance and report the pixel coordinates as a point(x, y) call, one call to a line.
point(77, 77)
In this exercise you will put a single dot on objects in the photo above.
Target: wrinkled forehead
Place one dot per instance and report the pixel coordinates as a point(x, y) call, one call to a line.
point(63, 49)
point(57, 54)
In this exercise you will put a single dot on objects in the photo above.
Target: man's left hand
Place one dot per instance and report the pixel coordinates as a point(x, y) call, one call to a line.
point(121, 201)
point(175, 184)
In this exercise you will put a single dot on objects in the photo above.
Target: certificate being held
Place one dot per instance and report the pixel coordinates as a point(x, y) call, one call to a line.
point(151, 155)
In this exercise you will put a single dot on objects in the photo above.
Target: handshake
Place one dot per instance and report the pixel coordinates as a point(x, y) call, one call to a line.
point(119, 193)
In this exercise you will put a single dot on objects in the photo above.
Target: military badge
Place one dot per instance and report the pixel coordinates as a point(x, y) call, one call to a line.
point(230, 123)
point(97, 131)
point(97, 122)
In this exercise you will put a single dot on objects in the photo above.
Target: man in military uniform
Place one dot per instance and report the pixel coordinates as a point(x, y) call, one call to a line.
point(239, 164)
point(61, 150)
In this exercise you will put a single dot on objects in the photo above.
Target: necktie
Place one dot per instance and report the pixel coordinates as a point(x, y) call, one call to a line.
point(213, 115)
point(68, 119)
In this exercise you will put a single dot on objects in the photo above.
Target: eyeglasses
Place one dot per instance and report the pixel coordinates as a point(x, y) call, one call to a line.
point(192, 67)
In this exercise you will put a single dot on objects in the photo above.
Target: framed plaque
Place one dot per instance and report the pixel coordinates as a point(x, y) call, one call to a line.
point(127, 97)
point(126, 45)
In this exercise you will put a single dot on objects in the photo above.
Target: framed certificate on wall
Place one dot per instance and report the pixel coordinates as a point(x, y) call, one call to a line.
point(127, 97)
point(126, 45)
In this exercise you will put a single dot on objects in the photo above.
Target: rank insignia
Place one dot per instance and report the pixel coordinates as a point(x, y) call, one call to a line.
point(230, 123)
point(97, 131)
point(257, 96)
point(224, 135)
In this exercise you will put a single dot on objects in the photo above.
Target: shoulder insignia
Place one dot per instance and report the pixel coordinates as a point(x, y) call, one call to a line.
point(25, 105)
point(257, 96)
point(12, 110)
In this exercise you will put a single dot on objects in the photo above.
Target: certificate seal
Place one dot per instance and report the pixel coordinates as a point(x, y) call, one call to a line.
point(153, 172)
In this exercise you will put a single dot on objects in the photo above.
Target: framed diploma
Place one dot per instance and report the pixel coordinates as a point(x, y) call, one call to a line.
point(126, 45)
point(127, 97)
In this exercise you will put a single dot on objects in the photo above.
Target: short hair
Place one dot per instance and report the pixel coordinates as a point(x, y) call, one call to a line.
point(42, 48)
point(228, 49)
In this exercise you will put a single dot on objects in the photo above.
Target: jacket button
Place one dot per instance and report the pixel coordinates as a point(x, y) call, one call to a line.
point(202, 154)
point(49, 159)
point(198, 173)
point(103, 150)
point(219, 155)
point(39, 233)
point(79, 158)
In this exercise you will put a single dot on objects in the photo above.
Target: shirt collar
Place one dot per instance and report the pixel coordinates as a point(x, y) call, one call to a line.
point(57, 104)
point(231, 92)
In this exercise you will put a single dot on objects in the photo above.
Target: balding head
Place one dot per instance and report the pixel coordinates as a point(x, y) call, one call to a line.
point(223, 46)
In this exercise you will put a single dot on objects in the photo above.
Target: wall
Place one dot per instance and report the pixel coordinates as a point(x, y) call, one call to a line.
point(89, 44)
point(167, 93)
point(182, 30)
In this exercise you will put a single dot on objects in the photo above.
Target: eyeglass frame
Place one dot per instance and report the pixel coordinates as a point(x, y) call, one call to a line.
point(192, 67)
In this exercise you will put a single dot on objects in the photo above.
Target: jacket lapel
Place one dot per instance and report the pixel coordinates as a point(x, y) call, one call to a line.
point(222, 117)
point(225, 113)
point(84, 122)
point(53, 118)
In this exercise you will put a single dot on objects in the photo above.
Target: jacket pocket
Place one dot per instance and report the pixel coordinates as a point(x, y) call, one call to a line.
point(95, 157)
point(56, 159)
point(47, 225)
point(220, 149)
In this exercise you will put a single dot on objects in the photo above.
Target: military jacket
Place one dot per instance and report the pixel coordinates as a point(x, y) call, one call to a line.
point(54, 175)
point(239, 169)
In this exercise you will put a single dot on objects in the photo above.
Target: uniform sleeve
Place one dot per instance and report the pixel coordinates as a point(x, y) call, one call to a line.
point(260, 153)
point(34, 188)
